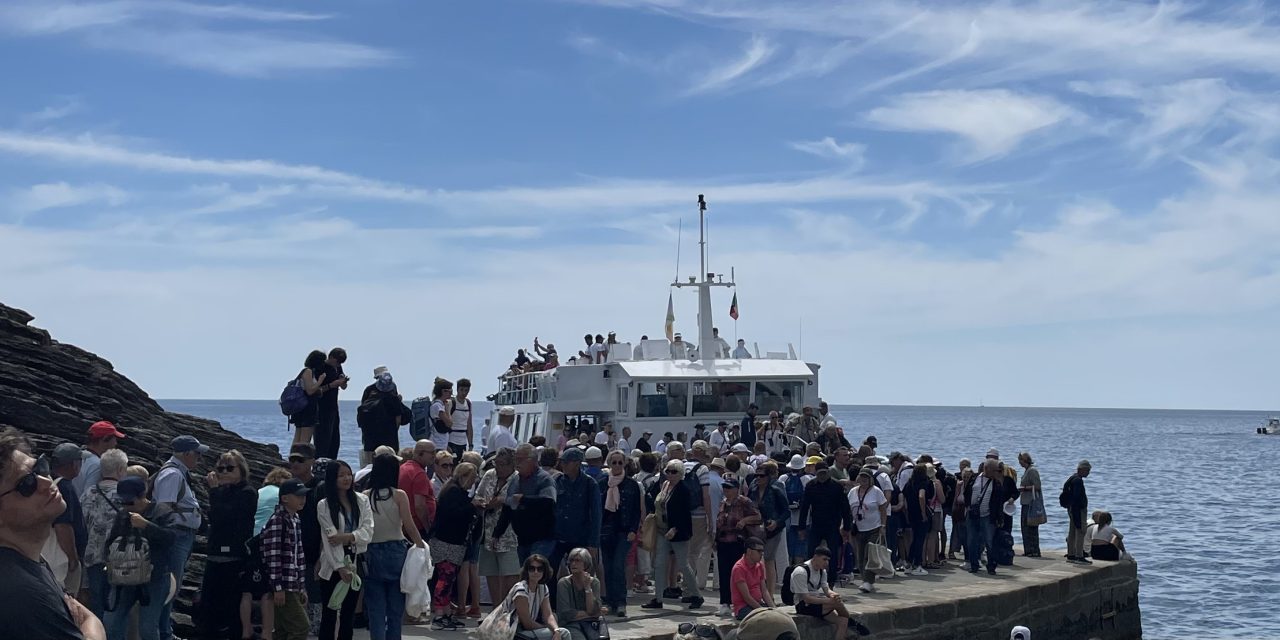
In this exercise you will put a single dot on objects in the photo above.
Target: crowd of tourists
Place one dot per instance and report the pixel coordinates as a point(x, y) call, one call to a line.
point(562, 534)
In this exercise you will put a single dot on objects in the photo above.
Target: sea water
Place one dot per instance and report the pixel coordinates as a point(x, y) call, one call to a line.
point(1194, 492)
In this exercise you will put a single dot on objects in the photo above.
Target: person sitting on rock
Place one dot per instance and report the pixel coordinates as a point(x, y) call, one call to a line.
point(814, 597)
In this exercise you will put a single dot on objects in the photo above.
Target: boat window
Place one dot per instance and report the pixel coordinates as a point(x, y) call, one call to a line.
point(783, 397)
point(624, 395)
point(721, 397)
point(663, 400)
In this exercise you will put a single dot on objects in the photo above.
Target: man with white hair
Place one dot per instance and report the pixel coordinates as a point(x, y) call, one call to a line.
point(704, 528)
point(500, 436)
point(100, 506)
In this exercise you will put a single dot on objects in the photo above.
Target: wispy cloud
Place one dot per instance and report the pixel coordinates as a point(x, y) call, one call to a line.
point(55, 195)
point(65, 107)
point(992, 122)
point(757, 52)
point(208, 37)
point(850, 153)
point(565, 199)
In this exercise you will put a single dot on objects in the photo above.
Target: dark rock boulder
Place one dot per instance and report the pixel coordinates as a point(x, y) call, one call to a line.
point(54, 391)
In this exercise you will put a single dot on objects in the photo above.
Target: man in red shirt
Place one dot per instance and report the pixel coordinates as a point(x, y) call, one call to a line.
point(747, 579)
point(414, 481)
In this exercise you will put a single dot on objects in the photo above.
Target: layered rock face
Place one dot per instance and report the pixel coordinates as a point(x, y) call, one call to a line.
point(54, 391)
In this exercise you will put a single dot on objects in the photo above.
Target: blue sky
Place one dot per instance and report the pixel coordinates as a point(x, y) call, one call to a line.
point(1031, 203)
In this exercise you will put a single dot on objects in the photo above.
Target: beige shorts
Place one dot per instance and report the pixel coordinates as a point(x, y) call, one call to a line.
point(499, 563)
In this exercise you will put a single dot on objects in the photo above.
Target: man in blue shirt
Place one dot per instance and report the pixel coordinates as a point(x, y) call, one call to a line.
point(172, 491)
point(577, 509)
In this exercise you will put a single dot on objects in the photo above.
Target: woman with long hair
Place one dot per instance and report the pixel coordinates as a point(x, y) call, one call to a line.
point(674, 521)
point(469, 572)
point(313, 382)
point(531, 599)
point(346, 527)
point(383, 600)
point(440, 414)
point(1107, 542)
point(232, 505)
point(619, 521)
point(455, 523)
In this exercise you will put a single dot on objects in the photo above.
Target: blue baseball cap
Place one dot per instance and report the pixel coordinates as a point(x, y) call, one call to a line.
point(130, 488)
point(572, 455)
point(187, 444)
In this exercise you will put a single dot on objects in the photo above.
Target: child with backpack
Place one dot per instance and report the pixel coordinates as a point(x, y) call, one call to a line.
point(136, 551)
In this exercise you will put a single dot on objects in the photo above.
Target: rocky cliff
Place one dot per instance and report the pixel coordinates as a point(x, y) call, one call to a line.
point(54, 391)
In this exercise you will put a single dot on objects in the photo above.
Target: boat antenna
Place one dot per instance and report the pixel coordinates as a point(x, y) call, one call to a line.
point(679, 233)
point(702, 236)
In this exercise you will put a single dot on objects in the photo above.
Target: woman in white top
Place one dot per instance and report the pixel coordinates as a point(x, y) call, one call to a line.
point(1108, 542)
point(531, 600)
point(346, 527)
point(870, 511)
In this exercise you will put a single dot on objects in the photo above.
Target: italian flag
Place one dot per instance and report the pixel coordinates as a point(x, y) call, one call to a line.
point(733, 307)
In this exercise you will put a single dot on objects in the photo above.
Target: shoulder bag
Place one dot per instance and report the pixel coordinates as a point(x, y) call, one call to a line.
point(1035, 510)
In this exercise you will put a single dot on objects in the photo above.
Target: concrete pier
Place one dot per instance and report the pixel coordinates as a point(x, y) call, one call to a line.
point(1056, 599)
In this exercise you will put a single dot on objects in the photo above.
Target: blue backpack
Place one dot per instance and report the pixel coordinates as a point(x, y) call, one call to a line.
point(795, 489)
point(694, 485)
point(294, 398)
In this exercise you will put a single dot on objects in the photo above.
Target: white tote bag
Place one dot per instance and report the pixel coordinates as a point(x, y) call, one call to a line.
point(879, 558)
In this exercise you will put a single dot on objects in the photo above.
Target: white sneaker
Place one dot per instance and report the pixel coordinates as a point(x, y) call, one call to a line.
point(864, 587)
point(919, 571)
point(725, 611)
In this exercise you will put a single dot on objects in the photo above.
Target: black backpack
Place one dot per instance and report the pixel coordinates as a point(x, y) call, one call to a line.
point(370, 412)
point(694, 485)
point(789, 597)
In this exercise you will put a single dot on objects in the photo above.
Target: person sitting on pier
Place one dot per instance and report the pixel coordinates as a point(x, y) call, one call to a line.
point(1107, 542)
point(813, 595)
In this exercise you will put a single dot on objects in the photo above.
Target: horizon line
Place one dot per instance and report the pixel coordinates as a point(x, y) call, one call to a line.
point(837, 404)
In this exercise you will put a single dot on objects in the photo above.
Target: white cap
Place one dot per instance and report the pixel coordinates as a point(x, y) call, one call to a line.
point(1020, 633)
point(741, 448)
point(378, 371)
point(507, 410)
point(797, 462)
point(594, 453)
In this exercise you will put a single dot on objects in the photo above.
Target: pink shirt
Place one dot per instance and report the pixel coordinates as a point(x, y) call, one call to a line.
point(753, 576)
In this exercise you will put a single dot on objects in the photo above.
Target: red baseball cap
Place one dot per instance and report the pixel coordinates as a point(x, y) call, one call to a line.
point(104, 429)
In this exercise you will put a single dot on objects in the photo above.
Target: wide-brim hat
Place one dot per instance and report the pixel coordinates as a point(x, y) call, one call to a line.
point(797, 462)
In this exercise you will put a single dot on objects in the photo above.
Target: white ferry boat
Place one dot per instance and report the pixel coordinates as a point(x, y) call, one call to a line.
point(655, 386)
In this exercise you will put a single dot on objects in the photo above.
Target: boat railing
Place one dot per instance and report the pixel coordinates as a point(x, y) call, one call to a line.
point(522, 388)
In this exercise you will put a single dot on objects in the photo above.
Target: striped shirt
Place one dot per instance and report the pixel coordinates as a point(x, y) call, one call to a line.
point(282, 552)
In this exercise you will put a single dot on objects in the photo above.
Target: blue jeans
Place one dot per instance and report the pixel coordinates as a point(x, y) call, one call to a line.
point(544, 548)
point(613, 555)
point(383, 600)
point(183, 541)
point(95, 579)
point(982, 535)
point(150, 616)
point(795, 547)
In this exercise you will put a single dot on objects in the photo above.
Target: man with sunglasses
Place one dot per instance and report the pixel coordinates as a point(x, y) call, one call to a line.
point(32, 605)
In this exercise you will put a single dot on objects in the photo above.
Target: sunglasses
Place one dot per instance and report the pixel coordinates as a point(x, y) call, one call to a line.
point(28, 483)
point(536, 567)
point(228, 468)
point(702, 630)
point(672, 472)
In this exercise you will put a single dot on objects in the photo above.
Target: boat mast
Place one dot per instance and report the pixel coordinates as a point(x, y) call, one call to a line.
point(708, 280)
